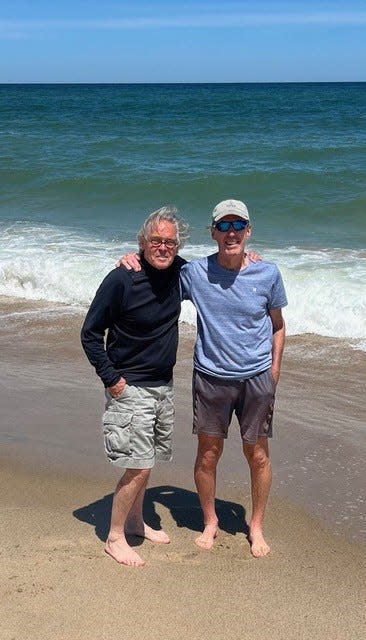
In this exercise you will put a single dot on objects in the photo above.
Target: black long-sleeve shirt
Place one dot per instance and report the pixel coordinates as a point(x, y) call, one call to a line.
point(140, 310)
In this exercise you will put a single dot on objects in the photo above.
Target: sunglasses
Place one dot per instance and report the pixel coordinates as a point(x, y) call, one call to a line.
point(225, 225)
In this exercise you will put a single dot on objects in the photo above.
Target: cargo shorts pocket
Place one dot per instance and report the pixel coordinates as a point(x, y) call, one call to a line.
point(117, 433)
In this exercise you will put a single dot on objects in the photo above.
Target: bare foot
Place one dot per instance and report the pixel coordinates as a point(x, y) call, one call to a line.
point(259, 547)
point(122, 552)
point(144, 531)
point(206, 540)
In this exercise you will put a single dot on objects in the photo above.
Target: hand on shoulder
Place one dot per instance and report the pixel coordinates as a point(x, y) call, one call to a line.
point(131, 261)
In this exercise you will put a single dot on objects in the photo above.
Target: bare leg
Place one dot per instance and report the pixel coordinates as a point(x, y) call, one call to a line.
point(127, 490)
point(208, 454)
point(261, 477)
point(136, 526)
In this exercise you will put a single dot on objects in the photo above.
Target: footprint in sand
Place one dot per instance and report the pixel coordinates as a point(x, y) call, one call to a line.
point(181, 558)
point(51, 543)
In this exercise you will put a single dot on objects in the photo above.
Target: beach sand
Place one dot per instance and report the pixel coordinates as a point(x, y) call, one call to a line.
point(57, 582)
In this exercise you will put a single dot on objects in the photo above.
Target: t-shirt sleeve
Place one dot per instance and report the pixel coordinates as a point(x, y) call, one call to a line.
point(278, 298)
point(185, 282)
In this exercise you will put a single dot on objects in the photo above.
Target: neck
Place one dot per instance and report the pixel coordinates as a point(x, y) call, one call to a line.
point(233, 263)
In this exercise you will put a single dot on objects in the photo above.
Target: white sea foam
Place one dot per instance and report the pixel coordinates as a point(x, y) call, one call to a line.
point(326, 289)
point(46, 263)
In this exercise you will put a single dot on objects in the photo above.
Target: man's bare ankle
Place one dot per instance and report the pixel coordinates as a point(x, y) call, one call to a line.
point(114, 536)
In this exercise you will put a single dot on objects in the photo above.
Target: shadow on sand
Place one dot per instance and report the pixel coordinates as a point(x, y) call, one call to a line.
point(183, 505)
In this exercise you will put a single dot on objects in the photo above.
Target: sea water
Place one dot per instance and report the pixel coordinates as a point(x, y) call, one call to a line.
point(82, 165)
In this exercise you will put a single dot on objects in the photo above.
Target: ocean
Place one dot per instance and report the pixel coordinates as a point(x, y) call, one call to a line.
point(82, 165)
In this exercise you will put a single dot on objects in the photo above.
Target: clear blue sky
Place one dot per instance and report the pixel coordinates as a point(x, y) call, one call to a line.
point(182, 41)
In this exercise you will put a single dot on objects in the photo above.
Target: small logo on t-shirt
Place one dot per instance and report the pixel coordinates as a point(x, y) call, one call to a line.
point(254, 289)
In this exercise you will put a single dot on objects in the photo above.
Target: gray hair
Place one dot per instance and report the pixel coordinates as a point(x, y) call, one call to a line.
point(164, 214)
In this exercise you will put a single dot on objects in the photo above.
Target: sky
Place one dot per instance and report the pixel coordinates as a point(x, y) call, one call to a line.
point(182, 41)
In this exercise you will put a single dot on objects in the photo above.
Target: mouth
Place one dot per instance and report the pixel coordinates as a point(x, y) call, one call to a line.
point(162, 259)
point(231, 243)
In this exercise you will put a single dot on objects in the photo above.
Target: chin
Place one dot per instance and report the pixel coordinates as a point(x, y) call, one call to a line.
point(234, 248)
point(162, 264)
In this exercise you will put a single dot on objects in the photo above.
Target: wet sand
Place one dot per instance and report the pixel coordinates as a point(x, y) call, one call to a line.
point(57, 490)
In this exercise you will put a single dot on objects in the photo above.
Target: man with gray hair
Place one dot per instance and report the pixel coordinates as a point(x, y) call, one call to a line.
point(139, 312)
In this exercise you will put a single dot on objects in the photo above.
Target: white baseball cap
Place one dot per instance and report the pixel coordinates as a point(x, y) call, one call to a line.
point(230, 207)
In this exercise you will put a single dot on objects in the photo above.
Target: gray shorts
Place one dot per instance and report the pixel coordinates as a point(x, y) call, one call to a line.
point(138, 426)
point(215, 400)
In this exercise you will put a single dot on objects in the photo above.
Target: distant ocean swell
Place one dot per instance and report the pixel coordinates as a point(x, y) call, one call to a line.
point(326, 288)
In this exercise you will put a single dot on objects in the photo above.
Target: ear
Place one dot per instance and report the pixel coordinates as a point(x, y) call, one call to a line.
point(248, 230)
point(212, 230)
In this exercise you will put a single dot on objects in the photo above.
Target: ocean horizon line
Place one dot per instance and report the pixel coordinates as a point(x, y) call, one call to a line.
point(184, 83)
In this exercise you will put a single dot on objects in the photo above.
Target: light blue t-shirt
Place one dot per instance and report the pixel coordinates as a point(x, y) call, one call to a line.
point(234, 329)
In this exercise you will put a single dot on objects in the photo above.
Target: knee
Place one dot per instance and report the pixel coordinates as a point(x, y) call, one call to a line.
point(257, 460)
point(135, 476)
point(207, 460)
point(143, 474)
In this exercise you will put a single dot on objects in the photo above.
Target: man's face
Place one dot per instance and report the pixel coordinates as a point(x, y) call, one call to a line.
point(160, 256)
point(231, 242)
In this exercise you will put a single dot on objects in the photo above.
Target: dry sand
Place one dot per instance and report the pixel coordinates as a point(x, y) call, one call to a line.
point(57, 583)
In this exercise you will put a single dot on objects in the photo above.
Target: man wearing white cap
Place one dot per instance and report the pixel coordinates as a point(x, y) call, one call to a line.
point(237, 361)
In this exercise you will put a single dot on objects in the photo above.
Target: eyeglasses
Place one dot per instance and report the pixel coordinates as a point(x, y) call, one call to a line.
point(169, 242)
point(225, 225)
